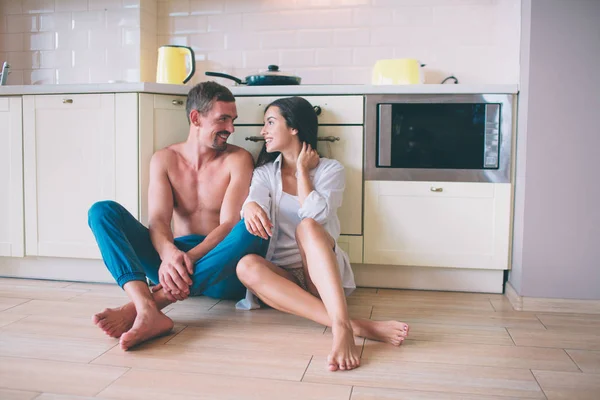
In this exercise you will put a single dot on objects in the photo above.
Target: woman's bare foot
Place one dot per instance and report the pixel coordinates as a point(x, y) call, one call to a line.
point(116, 321)
point(147, 325)
point(344, 355)
point(393, 332)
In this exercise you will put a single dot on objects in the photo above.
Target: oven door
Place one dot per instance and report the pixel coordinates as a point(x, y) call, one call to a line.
point(464, 138)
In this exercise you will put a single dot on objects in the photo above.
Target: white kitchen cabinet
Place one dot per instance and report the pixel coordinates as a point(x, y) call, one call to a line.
point(437, 224)
point(11, 178)
point(163, 121)
point(78, 149)
point(347, 150)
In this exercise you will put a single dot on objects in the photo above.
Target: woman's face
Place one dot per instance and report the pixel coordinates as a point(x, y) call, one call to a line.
point(278, 135)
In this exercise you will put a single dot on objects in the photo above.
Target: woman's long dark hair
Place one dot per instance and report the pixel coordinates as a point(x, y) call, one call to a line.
point(299, 114)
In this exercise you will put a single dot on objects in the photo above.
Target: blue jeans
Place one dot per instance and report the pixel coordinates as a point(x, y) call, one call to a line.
point(129, 255)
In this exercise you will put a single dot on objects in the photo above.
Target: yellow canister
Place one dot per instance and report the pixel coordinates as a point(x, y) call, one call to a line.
point(176, 64)
point(400, 71)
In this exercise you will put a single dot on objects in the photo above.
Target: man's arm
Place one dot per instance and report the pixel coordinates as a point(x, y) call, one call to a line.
point(241, 166)
point(160, 205)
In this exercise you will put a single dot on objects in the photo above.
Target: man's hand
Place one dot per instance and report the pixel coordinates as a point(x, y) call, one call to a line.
point(308, 158)
point(174, 275)
point(257, 221)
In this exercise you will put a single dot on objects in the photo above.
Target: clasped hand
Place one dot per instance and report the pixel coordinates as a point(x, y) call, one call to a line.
point(174, 275)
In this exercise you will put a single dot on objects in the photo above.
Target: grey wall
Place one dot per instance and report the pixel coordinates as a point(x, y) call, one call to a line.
point(556, 249)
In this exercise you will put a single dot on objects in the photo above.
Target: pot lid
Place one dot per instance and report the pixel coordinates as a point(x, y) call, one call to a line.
point(273, 70)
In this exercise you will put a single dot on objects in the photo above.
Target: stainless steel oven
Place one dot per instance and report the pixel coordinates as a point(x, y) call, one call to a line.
point(438, 137)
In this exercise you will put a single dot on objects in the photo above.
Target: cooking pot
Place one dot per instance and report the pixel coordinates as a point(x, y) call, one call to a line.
point(272, 76)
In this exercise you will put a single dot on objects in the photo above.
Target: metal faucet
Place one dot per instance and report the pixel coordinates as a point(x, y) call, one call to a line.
point(4, 73)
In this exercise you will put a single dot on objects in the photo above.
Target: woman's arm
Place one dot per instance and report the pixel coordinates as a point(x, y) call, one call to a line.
point(326, 196)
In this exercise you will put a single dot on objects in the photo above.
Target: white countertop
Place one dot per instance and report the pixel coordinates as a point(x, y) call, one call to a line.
point(159, 88)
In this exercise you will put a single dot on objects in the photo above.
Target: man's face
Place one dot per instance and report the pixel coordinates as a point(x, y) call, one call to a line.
point(217, 124)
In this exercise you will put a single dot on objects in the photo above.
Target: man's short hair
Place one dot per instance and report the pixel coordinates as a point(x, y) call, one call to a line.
point(203, 96)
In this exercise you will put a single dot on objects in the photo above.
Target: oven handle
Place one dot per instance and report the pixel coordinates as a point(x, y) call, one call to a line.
point(384, 149)
point(320, 138)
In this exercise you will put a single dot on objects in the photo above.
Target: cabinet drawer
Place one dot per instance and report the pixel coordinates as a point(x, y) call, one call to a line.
point(436, 189)
point(71, 101)
point(169, 102)
point(353, 246)
point(347, 110)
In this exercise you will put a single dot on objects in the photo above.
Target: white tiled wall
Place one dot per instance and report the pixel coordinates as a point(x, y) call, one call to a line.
point(338, 41)
point(70, 41)
point(323, 41)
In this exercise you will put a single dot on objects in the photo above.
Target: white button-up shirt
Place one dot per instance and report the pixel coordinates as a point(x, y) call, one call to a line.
point(321, 204)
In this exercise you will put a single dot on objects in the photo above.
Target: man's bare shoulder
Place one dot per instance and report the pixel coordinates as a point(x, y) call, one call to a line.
point(166, 156)
point(239, 157)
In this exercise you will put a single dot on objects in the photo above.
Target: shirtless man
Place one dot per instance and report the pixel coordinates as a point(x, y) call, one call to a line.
point(200, 186)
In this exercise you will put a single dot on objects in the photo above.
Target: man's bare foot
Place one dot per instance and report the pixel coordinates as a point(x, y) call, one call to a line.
point(393, 332)
point(344, 355)
point(115, 321)
point(147, 325)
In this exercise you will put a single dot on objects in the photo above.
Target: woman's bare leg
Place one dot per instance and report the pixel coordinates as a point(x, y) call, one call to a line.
point(275, 286)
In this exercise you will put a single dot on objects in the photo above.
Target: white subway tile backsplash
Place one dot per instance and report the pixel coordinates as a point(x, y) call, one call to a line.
point(3, 27)
point(71, 5)
point(224, 22)
point(248, 6)
point(23, 59)
point(259, 59)
point(105, 39)
point(334, 57)
point(420, 17)
point(15, 77)
point(140, 4)
point(296, 58)
point(69, 41)
point(131, 37)
point(372, 17)
point(366, 56)
point(174, 8)
point(39, 6)
point(226, 59)
point(56, 22)
point(351, 37)
point(176, 40)
point(187, 25)
point(314, 38)
point(207, 41)
point(104, 5)
point(39, 41)
point(354, 75)
point(39, 77)
point(87, 58)
point(88, 20)
point(71, 75)
point(56, 59)
point(8, 7)
point(11, 42)
point(242, 41)
point(125, 18)
point(277, 39)
point(200, 7)
point(314, 76)
point(22, 23)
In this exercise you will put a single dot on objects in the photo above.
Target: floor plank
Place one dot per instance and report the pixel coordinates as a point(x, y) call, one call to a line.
point(432, 377)
point(460, 334)
point(588, 361)
point(471, 354)
point(559, 339)
point(10, 302)
point(161, 385)
point(569, 385)
point(8, 394)
point(56, 376)
point(370, 393)
point(38, 292)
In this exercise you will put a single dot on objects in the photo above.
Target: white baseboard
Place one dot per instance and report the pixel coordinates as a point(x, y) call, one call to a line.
point(540, 304)
point(428, 278)
point(64, 269)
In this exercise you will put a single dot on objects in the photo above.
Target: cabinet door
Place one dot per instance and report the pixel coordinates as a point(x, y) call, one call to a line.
point(347, 150)
point(71, 158)
point(163, 121)
point(437, 224)
point(11, 178)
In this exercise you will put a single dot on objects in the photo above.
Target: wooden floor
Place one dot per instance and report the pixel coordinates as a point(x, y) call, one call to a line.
point(461, 346)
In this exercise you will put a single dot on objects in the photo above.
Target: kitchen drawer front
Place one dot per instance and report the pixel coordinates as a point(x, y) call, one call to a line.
point(70, 101)
point(346, 110)
point(353, 246)
point(166, 102)
point(437, 189)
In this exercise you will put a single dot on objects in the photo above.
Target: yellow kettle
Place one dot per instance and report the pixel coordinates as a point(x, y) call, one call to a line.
point(173, 64)
point(400, 71)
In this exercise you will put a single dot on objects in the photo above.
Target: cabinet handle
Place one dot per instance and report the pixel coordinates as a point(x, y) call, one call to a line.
point(320, 139)
point(177, 102)
point(67, 101)
point(436, 189)
point(318, 110)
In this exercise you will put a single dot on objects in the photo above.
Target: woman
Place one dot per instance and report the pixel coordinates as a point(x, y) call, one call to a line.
point(293, 200)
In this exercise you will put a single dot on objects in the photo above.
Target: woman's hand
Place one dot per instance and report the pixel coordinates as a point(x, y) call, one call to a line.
point(308, 158)
point(257, 221)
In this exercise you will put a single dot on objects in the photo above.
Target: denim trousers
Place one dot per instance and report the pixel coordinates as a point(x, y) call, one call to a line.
point(129, 255)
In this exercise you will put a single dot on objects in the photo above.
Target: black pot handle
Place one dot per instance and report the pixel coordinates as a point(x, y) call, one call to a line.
point(222, 75)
